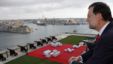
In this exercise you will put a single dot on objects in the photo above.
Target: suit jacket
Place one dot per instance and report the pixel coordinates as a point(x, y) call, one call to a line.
point(102, 52)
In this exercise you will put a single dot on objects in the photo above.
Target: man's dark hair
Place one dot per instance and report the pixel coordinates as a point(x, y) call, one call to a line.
point(100, 7)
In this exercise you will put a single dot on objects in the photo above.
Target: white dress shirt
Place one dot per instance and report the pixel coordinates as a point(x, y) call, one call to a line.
point(103, 28)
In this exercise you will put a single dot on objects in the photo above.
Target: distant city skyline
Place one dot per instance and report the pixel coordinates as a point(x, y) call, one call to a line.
point(31, 9)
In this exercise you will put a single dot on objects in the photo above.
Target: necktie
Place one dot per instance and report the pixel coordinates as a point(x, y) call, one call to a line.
point(97, 38)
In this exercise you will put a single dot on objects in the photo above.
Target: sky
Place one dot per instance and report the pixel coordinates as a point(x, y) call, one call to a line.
point(31, 9)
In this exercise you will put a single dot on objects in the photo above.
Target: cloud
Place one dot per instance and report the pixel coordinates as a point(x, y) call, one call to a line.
point(8, 3)
point(10, 9)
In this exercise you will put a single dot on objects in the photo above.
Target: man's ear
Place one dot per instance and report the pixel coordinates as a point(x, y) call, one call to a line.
point(99, 16)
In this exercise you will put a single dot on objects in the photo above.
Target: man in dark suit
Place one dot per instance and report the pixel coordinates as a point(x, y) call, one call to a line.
point(99, 18)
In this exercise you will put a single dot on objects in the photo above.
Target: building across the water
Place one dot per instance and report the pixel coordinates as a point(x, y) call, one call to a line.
point(14, 26)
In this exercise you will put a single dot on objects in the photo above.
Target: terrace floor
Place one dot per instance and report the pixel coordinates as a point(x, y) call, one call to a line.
point(24, 59)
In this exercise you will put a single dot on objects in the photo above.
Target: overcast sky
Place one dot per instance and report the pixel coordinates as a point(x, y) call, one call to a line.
point(23, 9)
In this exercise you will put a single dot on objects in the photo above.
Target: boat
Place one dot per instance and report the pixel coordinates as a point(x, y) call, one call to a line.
point(40, 23)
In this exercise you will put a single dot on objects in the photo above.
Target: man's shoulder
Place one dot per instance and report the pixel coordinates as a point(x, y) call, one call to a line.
point(109, 30)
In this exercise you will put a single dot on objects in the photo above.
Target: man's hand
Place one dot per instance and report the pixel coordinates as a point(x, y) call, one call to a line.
point(77, 59)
